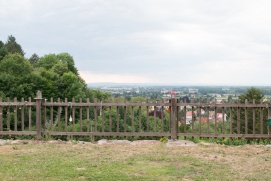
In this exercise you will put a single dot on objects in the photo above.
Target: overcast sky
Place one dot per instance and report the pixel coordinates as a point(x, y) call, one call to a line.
point(198, 42)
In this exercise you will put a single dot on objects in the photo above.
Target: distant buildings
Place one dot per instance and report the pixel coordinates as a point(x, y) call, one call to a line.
point(196, 116)
point(192, 91)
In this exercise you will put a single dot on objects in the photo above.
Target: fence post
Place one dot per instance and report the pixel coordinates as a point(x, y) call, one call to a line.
point(173, 119)
point(38, 114)
point(269, 117)
point(1, 118)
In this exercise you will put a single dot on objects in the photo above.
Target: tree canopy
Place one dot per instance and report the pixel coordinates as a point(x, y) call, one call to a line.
point(252, 94)
point(55, 75)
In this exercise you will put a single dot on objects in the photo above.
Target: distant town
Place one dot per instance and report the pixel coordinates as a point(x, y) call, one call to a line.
point(217, 93)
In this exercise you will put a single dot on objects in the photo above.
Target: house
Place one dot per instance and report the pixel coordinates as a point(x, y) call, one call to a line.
point(193, 90)
point(212, 115)
point(189, 115)
point(215, 95)
point(203, 119)
point(219, 117)
point(159, 114)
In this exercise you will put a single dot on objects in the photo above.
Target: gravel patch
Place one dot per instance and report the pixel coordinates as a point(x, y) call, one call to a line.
point(171, 143)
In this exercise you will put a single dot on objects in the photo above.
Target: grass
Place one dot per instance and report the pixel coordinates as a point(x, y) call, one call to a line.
point(44, 161)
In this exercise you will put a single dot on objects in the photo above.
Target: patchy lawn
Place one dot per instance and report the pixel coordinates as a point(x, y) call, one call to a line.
point(60, 161)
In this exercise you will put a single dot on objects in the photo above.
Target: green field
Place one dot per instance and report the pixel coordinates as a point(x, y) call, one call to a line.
point(60, 161)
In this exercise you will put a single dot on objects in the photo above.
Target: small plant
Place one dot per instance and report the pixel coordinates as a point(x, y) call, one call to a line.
point(227, 141)
point(266, 141)
point(164, 139)
point(196, 139)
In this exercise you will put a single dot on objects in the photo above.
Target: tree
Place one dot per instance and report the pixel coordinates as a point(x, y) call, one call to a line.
point(3, 50)
point(34, 59)
point(13, 47)
point(55, 75)
point(48, 61)
point(60, 68)
point(70, 86)
point(67, 58)
point(251, 94)
point(15, 73)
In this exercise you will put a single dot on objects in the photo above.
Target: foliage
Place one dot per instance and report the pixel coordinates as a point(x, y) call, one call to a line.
point(15, 76)
point(55, 75)
point(34, 59)
point(252, 94)
point(13, 47)
point(3, 50)
point(164, 139)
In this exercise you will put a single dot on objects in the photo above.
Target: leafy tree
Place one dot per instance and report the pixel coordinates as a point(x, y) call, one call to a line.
point(3, 50)
point(34, 59)
point(60, 68)
point(14, 71)
point(49, 87)
point(60, 77)
point(68, 59)
point(250, 95)
point(97, 94)
point(54, 75)
point(48, 61)
point(71, 86)
point(13, 47)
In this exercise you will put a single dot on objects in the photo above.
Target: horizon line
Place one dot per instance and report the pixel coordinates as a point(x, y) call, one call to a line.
point(176, 84)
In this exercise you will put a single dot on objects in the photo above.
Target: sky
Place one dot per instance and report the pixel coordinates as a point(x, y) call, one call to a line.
point(178, 42)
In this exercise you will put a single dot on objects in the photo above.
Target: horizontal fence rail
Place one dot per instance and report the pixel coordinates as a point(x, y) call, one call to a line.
point(118, 118)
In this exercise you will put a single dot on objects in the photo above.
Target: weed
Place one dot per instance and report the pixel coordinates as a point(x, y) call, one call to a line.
point(164, 139)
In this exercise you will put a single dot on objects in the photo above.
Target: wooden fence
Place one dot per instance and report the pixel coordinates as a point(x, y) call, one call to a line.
point(137, 119)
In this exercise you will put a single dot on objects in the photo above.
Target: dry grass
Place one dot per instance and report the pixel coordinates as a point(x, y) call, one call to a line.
point(44, 161)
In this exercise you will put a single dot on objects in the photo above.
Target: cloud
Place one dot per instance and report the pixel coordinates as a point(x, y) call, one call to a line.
point(116, 78)
point(202, 42)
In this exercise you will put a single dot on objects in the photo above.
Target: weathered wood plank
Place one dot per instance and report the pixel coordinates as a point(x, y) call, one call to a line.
point(254, 117)
point(1, 116)
point(80, 114)
point(88, 120)
point(18, 132)
point(246, 119)
point(58, 115)
point(51, 114)
point(102, 111)
point(95, 116)
point(8, 103)
point(109, 133)
point(29, 115)
point(238, 118)
point(133, 119)
point(73, 115)
point(22, 115)
point(66, 115)
point(15, 114)
point(147, 116)
point(125, 115)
